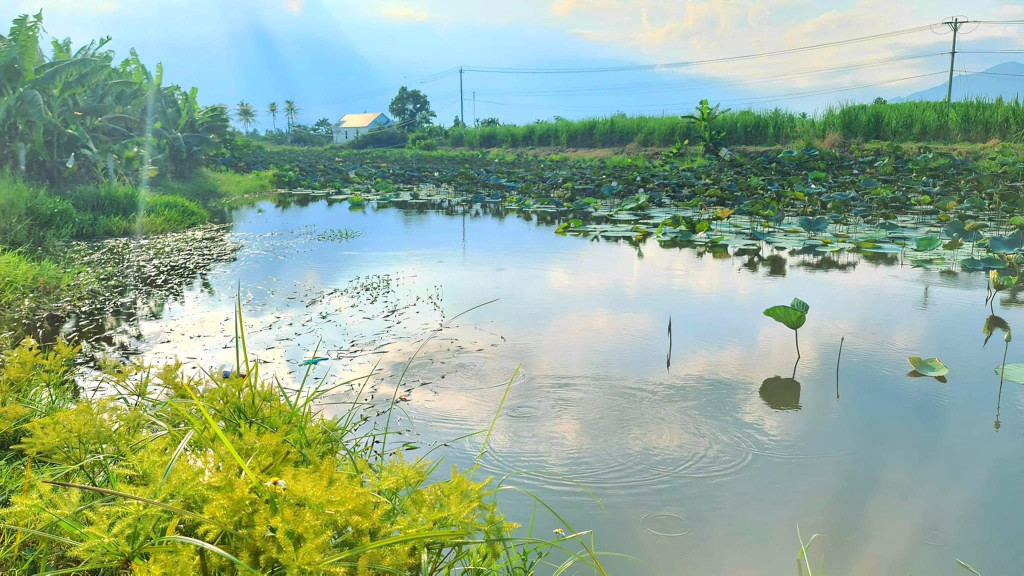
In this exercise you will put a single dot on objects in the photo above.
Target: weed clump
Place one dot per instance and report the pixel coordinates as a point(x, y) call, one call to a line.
point(173, 475)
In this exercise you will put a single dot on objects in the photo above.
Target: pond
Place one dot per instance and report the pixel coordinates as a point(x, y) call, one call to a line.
point(695, 448)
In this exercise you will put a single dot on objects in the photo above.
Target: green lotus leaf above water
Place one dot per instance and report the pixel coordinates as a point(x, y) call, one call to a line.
point(1007, 244)
point(1013, 372)
point(928, 366)
point(790, 316)
point(800, 305)
point(927, 243)
point(817, 224)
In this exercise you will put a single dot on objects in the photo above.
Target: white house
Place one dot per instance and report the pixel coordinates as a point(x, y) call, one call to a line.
point(351, 126)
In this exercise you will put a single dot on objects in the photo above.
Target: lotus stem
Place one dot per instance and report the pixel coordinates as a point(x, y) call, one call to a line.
point(796, 334)
point(1002, 370)
point(841, 340)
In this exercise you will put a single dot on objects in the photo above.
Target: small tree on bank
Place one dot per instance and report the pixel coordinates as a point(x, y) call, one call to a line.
point(411, 109)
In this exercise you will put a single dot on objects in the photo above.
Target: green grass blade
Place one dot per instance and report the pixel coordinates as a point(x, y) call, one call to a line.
point(206, 546)
point(394, 540)
point(221, 436)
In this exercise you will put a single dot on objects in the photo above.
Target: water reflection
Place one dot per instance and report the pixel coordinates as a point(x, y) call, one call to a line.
point(668, 356)
point(780, 393)
point(130, 280)
point(593, 414)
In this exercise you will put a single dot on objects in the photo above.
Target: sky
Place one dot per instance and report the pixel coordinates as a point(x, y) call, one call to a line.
point(334, 57)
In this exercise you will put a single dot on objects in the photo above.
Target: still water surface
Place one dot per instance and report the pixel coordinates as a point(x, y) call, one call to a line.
point(686, 461)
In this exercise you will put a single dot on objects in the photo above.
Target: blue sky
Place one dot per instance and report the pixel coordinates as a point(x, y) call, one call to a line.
point(338, 56)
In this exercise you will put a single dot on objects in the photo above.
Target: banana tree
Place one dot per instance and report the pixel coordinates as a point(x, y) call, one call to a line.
point(71, 114)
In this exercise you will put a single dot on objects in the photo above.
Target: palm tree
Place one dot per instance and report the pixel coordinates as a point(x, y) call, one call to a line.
point(245, 114)
point(272, 109)
point(291, 112)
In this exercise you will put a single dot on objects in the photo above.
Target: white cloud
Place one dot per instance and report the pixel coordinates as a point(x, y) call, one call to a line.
point(407, 14)
point(1009, 12)
point(68, 6)
point(661, 31)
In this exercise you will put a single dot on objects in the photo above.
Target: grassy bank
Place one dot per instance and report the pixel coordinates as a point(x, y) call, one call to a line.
point(169, 475)
point(966, 121)
point(27, 286)
point(34, 216)
point(35, 221)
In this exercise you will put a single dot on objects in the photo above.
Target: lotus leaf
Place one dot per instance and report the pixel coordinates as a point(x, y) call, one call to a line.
point(927, 243)
point(800, 305)
point(1012, 372)
point(928, 366)
point(1007, 244)
point(791, 317)
point(818, 224)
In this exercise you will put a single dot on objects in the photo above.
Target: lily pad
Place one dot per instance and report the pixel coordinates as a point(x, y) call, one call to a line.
point(928, 366)
point(1012, 372)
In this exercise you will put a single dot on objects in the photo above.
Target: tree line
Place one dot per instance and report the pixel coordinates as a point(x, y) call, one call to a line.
point(74, 115)
point(295, 134)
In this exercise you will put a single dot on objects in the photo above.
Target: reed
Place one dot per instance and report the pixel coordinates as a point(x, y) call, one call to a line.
point(976, 121)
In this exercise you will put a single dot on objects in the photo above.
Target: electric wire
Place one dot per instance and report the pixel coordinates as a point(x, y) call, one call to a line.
point(689, 63)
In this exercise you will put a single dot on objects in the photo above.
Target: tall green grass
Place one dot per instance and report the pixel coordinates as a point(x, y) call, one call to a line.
point(29, 216)
point(33, 216)
point(28, 286)
point(964, 121)
point(217, 188)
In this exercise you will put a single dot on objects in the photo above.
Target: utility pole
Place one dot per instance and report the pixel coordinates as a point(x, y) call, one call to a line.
point(462, 100)
point(474, 107)
point(954, 25)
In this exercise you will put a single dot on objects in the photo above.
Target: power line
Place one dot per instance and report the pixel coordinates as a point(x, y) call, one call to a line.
point(990, 51)
point(687, 85)
point(683, 64)
point(375, 91)
point(755, 99)
point(794, 95)
point(994, 73)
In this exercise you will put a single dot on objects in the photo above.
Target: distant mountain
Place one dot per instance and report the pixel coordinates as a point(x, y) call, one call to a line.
point(1006, 80)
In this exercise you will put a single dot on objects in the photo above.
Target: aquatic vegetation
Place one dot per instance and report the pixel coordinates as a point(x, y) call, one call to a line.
point(883, 202)
point(803, 560)
point(967, 567)
point(339, 235)
point(1000, 282)
point(1012, 372)
point(932, 367)
point(704, 119)
point(993, 323)
point(793, 317)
